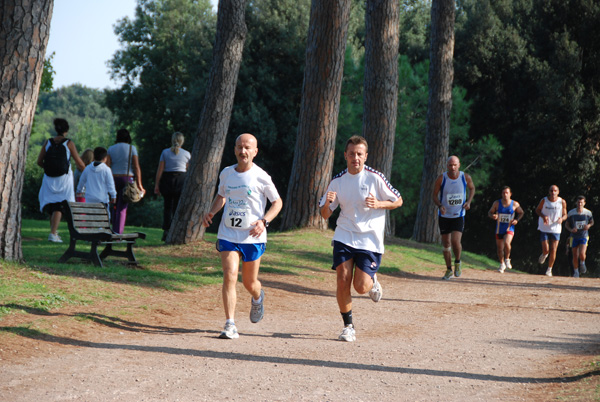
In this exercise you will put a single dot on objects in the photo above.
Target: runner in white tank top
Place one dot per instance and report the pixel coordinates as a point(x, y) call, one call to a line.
point(552, 212)
point(451, 198)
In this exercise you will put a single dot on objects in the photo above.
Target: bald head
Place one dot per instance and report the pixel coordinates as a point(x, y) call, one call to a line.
point(453, 165)
point(246, 148)
point(246, 137)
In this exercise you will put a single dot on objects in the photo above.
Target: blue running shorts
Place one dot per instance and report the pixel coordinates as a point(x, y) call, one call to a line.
point(365, 260)
point(249, 251)
point(549, 236)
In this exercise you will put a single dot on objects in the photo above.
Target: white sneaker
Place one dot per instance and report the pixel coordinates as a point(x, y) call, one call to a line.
point(54, 238)
point(229, 332)
point(582, 267)
point(542, 258)
point(549, 271)
point(348, 334)
point(376, 291)
point(576, 273)
point(507, 263)
point(502, 268)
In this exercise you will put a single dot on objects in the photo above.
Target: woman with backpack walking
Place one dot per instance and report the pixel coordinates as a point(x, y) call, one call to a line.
point(57, 184)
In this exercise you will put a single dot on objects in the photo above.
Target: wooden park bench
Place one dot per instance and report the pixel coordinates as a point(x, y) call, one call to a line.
point(90, 222)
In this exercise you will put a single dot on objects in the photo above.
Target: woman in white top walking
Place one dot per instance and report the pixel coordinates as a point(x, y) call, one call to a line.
point(173, 165)
point(57, 187)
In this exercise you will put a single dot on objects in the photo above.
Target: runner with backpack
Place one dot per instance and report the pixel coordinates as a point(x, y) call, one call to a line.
point(57, 184)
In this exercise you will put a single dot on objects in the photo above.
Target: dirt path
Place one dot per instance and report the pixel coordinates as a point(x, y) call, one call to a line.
point(482, 337)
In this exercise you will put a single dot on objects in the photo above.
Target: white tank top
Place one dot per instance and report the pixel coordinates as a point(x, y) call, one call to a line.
point(453, 195)
point(553, 210)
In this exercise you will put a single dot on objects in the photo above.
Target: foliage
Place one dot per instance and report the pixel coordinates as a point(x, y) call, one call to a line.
point(409, 146)
point(47, 75)
point(164, 63)
point(415, 20)
point(530, 68)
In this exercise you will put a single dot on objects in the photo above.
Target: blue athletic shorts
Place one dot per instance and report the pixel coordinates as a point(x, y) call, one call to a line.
point(366, 261)
point(578, 242)
point(249, 251)
point(549, 236)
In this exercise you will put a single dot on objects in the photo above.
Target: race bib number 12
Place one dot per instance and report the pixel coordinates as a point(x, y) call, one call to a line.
point(238, 218)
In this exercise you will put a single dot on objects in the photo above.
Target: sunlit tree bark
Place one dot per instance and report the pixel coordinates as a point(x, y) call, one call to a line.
point(441, 75)
point(317, 126)
point(203, 174)
point(24, 32)
point(381, 85)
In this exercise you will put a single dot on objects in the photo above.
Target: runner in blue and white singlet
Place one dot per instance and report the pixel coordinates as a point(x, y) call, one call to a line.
point(505, 217)
point(452, 199)
point(503, 213)
point(579, 221)
point(453, 195)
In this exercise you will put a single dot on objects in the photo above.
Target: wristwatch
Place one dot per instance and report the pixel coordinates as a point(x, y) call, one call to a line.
point(266, 222)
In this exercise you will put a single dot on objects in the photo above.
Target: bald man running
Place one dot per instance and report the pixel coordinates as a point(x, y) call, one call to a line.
point(243, 190)
point(450, 196)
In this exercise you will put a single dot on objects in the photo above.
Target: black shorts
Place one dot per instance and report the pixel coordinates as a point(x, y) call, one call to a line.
point(449, 225)
point(53, 207)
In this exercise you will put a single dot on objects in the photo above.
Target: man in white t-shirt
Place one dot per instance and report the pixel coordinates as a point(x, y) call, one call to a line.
point(363, 195)
point(243, 190)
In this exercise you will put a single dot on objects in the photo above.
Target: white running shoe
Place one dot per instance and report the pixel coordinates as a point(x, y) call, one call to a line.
point(549, 271)
point(542, 258)
point(507, 263)
point(348, 334)
point(582, 267)
point(376, 291)
point(257, 311)
point(54, 238)
point(502, 268)
point(576, 273)
point(229, 332)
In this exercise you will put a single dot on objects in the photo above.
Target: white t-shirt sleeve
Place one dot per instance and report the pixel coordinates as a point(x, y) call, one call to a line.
point(332, 187)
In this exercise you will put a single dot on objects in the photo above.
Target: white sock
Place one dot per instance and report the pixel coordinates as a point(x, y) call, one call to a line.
point(255, 301)
point(229, 321)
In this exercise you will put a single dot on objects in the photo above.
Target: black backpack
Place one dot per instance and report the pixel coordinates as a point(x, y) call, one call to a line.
point(56, 162)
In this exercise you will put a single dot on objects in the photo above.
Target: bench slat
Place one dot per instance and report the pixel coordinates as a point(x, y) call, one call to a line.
point(94, 211)
point(89, 217)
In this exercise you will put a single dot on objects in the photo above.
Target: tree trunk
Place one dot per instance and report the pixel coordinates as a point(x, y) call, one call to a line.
point(317, 125)
point(441, 75)
point(203, 174)
point(381, 86)
point(23, 39)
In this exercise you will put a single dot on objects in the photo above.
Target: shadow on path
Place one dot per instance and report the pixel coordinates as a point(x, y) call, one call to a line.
point(211, 354)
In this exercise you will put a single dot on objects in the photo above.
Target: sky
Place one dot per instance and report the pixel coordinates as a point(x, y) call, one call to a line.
point(83, 40)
